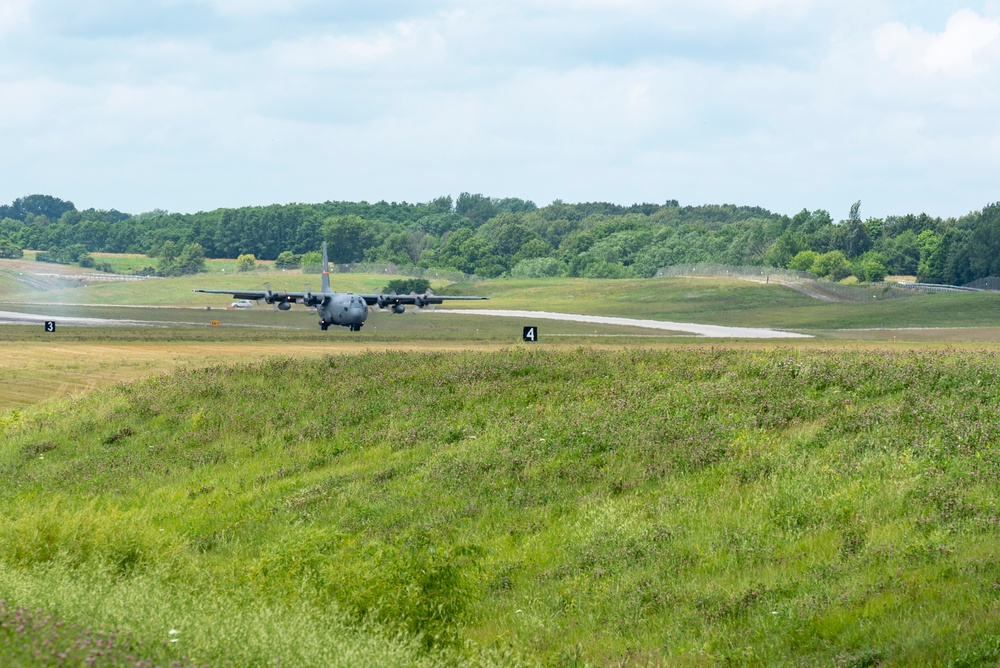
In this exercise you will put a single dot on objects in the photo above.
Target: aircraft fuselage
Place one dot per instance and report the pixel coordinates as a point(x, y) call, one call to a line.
point(343, 308)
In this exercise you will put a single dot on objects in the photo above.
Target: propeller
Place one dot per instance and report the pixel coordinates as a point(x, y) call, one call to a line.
point(309, 299)
point(279, 299)
point(420, 304)
point(391, 304)
point(380, 302)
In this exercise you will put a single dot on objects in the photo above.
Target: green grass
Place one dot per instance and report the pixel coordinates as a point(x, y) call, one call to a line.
point(130, 263)
point(688, 506)
point(721, 301)
point(710, 301)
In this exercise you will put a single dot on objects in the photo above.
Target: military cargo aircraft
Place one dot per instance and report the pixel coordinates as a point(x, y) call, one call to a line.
point(346, 309)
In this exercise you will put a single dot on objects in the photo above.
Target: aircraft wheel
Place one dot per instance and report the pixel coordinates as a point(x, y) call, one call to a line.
point(323, 325)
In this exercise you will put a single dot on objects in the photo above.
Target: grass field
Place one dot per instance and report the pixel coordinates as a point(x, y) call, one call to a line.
point(709, 301)
point(693, 506)
point(431, 492)
point(130, 263)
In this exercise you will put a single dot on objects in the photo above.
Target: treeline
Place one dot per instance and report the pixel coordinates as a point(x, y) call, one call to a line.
point(491, 237)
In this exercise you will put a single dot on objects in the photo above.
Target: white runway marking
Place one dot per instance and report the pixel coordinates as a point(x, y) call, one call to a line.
point(14, 318)
point(713, 331)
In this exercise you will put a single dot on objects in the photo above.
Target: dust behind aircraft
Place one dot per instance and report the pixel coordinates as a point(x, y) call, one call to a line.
point(346, 309)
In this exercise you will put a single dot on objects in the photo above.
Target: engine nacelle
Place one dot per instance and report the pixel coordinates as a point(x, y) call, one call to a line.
point(284, 306)
point(382, 301)
point(398, 308)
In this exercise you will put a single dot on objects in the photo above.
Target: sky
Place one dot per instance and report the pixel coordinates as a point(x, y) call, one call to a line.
point(190, 105)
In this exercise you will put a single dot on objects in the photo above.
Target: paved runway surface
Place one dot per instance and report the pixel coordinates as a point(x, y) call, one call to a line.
point(711, 331)
point(14, 318)
point(714, 331)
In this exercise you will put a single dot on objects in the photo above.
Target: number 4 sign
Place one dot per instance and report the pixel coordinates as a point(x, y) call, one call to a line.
point(530, 334)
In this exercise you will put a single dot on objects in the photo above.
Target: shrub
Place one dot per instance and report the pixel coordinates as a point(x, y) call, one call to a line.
point(539, 267)
point(246, 262)
point(404, 286)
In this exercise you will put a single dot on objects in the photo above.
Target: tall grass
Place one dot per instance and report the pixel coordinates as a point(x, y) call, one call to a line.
point(686, 506)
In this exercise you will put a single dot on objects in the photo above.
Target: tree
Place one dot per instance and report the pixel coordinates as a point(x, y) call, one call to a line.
point(349, 237)
point(902, 254)
point(984, 243)
point(288, 260)
point(404, 286)
point(477, 208)
point(312, 262)
point(246, 262)
point(395, 249)
point(168, 251)
point(539, 267)
point(832, 265)
point(855, 214)
point(855, 239)
point(10, 249)
point(192, 259)
point(784, 248)
point(803, 261)
point(870, 267)
point(37, 205)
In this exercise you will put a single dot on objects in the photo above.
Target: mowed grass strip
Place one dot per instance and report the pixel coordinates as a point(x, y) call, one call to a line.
point(763, 506)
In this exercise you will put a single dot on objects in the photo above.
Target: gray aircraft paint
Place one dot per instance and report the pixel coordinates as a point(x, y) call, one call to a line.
point(345, 309)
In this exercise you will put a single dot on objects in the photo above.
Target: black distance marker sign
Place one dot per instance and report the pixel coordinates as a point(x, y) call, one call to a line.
point(530, 334)
point(50, 326)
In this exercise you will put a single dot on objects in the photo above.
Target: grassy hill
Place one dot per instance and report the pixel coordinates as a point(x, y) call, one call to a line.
point(692, 506)
point(723, 301)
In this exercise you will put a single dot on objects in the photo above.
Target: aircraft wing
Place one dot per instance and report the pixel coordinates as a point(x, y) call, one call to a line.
point(419, 300)
point(272, 296)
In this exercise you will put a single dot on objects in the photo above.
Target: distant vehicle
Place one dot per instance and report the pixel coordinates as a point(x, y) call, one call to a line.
point(241, 304)
point(336, 308)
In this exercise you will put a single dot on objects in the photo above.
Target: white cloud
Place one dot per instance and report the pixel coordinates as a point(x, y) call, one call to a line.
point(967, 41)
point(781, 103)
point(403, 45)
point(253, 8)
point(14, 14)
point(742, 7)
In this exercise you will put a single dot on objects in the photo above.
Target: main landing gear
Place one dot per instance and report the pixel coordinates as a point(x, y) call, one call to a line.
point(324, 325)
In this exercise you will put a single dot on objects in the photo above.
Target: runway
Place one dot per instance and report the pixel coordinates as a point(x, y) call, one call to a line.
point(709, 331)
point(15, 318)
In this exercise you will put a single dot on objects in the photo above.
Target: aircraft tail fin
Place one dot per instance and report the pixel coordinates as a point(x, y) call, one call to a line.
point(326, 271)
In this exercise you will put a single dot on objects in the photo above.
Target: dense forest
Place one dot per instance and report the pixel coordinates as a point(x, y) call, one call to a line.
point(493, 237)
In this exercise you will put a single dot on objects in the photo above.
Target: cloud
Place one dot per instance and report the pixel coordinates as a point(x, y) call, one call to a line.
point(967, 41)
point(402, 45)
point(14, 14)
point(742, 7)
point(183, 104)
point(240, 8)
